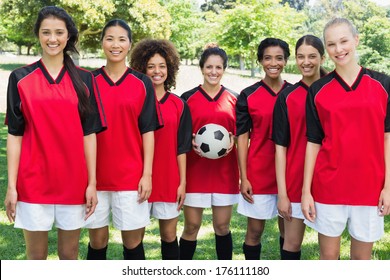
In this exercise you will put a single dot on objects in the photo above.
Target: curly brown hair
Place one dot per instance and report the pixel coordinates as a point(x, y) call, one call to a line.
point(147, 48)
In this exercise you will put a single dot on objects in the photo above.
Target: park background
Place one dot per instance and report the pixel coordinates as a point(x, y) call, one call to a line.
point(238, 27)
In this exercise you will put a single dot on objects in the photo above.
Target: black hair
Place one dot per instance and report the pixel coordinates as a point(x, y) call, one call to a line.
point(117, 22)
point(73, 34)
point(272, 42)
point(316, 43)
point(213, 49)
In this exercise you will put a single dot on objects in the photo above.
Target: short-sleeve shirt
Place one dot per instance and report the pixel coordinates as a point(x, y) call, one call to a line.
point(289, 130)
point(212, 175)
point(349, 122)
point(254, 112)
point(52, 168)
point(131, 110)
point(170, 141)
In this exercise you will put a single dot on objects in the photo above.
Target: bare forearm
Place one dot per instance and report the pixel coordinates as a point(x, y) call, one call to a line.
point(90, 157)
point(14, 147)
point(148, 147)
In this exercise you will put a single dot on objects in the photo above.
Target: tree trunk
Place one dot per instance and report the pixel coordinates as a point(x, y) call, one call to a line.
point(19, 50)
point(252, 68)
point(242, 64)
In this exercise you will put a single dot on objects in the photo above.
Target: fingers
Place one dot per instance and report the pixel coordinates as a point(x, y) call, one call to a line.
point(247, 196)
point(90, 207)
point(11, 214)
point(180, 201)
point(143, 195)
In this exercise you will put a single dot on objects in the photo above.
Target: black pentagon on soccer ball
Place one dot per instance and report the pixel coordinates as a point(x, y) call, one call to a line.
point(222, 152)
point(218, 135)
point(205, 148)
point(203, 129)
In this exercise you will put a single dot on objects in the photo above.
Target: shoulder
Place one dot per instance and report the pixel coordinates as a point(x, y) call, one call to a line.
point(23, 71)
point(186, 95)
point(380, 77)
point(84, 73)
point(232, 92)
point(140, 76)
point(251, 89)
point(322, 82)
point(97, 72)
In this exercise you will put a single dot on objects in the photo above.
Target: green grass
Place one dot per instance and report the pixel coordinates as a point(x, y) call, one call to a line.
point(12, 246)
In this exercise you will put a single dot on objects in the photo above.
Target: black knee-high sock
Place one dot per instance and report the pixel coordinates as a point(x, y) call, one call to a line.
point(251, 252)
point(170, 250)
point(224, 246)
point(96, 254)
point(287, 255)
point(281, 243)
point(137, 253)
point(187, 249)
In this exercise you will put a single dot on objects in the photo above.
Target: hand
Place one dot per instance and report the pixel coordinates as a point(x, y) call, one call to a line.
point(246, 191)
point(308, 208)
point(144, 188)
point(10, 204)
point(232, 143)
point(195, 146)
point(284, 208)
point(91, 201)
point(384, 202)
point(181, 195)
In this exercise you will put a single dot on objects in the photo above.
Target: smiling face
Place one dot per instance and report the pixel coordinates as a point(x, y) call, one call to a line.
point(273, 61)
point(340, 44)
point(213, 70)
point(309, 61)
point(157, 70)
point(116, 44)
point(53, 36)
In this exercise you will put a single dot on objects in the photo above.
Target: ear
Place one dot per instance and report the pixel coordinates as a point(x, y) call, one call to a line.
point(322, 59)
point(357, 40)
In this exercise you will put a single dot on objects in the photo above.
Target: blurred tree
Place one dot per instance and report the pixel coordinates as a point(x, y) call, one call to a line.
point(217, 6)
point(296, 4)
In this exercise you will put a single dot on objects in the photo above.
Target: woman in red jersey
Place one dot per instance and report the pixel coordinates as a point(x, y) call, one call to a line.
point(53, 114)
point(346, 179)
point(254, 111)
point(289, 135)
point(125, 150)
point(211, 182)
point(160, 61)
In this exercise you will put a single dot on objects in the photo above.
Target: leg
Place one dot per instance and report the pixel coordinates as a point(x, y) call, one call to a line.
point(361, 250)
point(98, 242)
point(36, 244)
point(293, 237)
point(133, 248)
point(192, 223)
point(223, 238)
point(329, 247)
point(252, 244)
point(169, 245)
point(68, 244)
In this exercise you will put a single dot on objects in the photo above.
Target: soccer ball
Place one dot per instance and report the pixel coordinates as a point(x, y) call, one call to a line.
point(213, 140)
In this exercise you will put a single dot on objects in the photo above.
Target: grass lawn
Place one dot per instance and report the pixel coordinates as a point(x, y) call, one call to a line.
point(12, 245)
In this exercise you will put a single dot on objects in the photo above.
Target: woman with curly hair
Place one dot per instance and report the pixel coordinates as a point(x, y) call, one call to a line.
point(160, 61)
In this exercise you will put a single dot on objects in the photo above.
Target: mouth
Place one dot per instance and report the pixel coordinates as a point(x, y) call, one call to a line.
point(115, 52)
point(307, 69)
point(157, 78)
point(273, 70)
point(53, 46)
point(341, 56)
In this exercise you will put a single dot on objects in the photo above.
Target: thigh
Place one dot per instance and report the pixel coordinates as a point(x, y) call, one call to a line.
point(361, 250)
point(132, 238)
point(329, 247)
point(221, 219)
point(36, 244)
point(168, 229)
point(192, 215)
point(68, 244)
point(294, 231)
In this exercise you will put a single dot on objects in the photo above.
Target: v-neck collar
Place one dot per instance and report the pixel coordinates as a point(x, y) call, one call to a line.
point(303, 84)
point(47, 75)
point(344, 84)
point(164, 98)
point(208, 97)
point(273, 93)
point(111, 82)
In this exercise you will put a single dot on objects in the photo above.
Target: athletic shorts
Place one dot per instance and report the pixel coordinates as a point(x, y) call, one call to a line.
point(363, 222)
point(127, 213)
point(206, 200)
point(296, 211)
point(263, 208)
point(163, 210)
point(42, 217)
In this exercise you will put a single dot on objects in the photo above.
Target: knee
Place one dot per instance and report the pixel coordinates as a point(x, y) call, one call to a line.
point(191, 229)
point(221, 229)
point(68, 252)
point(42, 255)
point(168, 236)
point(292, 245)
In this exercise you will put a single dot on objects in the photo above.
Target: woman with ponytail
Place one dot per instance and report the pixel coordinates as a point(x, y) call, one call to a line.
point(53, 115)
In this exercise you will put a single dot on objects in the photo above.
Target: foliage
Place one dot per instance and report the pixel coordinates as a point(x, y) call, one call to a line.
point(296, 4)
point(217, 6)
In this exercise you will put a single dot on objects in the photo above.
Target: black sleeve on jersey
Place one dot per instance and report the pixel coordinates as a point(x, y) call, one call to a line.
point(95, 122)
point(280, 122)
point(243, 118)
point(314, 133)
point(14, 116)
point(184, 135)
point(148, 119)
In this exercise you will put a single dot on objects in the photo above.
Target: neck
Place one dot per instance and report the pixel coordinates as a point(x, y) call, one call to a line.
point(349, 72)
point(309, 80)
point(160, 91)
point(211, 90)
point(115, 70)
point(274, 84)
point(53, 64)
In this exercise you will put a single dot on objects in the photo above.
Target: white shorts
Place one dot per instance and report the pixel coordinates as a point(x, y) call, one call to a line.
point(296, 211)
point(163, 210)
point(263, 208)
point(127, 213)
point(206, 200)
point(363, 222)
point(42, 217)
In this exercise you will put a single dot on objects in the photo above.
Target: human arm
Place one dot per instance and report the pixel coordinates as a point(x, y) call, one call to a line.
point(307, 201)
point(284, 205)
point(384, 198)
point(90, 156)
point(145, 183)
point(242, 150)
point(181, 190)
point(14, 147)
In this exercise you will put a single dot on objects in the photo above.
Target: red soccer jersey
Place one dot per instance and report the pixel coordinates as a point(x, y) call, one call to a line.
point(52, 168)
point(349, 122)
point(212, 175)
point(289, 130)
point(130, 108)
point(170, 141)
point(254, 112)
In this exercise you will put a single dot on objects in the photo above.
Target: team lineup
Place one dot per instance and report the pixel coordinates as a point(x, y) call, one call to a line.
point(116, 146)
